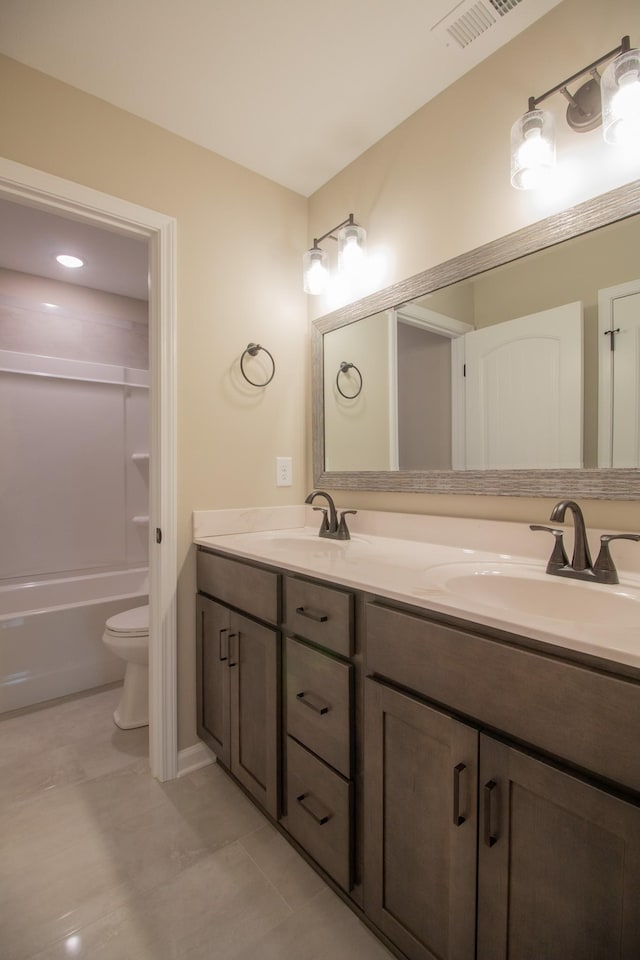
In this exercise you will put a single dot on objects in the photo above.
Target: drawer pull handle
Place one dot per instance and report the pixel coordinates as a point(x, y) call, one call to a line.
point(234, 662)
point(489, 838)
point(224, 633)
point(312, 615)
point(307, 801)
point(320, 707)
point(458, 820)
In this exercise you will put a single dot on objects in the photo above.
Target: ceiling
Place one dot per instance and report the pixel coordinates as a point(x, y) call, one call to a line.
point(290, 89)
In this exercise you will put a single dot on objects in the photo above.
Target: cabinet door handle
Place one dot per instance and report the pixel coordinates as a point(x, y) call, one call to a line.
point(312, 615)
point(318, 707)
point(223, 633)
point(458, 820)
point(489, 837)
point(307, 801)
point(234, 662)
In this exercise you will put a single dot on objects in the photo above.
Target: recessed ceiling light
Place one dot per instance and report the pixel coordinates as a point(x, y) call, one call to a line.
point(68, 261)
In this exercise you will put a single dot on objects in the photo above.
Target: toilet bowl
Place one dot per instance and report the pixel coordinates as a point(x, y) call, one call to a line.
point(127, 636)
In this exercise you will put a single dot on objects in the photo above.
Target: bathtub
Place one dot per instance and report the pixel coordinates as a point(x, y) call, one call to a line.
point(51, 634)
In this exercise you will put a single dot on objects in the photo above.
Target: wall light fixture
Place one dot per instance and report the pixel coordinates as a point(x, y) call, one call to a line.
point(612, 100)
point(351, 240)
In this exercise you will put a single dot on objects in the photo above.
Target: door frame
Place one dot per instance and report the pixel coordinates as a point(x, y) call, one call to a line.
point(455, 331)
point(38, 189)
point(606, 298)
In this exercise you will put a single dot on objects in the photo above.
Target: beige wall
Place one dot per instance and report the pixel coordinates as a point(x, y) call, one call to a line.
point(240, 239)
point(438, 185)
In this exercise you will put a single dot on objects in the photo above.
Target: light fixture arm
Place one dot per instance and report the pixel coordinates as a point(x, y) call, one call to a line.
point(625, 46)
point(349, 222)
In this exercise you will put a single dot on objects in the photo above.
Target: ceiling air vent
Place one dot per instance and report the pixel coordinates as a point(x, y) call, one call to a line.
point(470, 19)
point(504, 6)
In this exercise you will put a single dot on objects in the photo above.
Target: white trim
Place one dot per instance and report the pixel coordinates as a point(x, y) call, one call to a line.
point(426, 319)
point(606, 297)
point(458, 411)
point(42, 190)
point(394, 437)
point(194, 757)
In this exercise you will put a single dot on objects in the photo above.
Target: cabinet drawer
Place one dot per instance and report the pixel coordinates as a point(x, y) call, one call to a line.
point(319, 812)
point(239, 584)
point(319, 703)
point(321, 614)
point(573, 712)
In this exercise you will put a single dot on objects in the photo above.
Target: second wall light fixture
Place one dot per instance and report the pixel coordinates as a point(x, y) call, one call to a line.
point(612, 100)
point(351, 240)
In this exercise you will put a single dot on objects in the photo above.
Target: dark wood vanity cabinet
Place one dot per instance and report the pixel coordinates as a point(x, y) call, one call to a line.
point(476, 798)
point(558, 854)
point(238, 673)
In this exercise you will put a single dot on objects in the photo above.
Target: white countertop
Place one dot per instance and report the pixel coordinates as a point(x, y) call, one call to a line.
point(415, 571)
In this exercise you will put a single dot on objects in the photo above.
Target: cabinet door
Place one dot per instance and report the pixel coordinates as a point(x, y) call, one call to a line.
point(213, 677)
point(254, 664)
point(420, 826)
point(559, 864)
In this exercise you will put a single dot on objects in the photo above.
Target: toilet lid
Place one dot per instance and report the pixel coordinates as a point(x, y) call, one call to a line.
point(135, 623)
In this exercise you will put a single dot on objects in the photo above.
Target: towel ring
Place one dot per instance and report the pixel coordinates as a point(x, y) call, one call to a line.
point(344, 368)
point(253, 349)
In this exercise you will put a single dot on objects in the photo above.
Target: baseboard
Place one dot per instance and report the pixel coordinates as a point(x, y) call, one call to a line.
point(192, 758)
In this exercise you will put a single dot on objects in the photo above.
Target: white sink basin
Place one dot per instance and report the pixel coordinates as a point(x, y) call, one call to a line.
point(526, 589)
point(305, 543)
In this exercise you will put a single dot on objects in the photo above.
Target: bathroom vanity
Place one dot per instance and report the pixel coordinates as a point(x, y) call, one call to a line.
point(466, 786)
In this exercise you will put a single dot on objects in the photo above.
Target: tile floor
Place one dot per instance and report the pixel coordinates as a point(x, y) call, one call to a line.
point(100, 861)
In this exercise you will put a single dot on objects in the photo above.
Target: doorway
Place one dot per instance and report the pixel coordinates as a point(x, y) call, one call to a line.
point(35, 188)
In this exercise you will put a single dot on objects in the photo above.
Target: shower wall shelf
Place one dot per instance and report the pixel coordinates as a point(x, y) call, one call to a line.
point(140, 520)
point(139, 456)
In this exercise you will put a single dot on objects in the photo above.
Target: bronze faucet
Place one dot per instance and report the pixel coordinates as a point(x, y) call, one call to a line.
point(331, 528)
point(581, 567)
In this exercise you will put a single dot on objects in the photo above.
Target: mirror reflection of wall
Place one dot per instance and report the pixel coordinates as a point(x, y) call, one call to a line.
point(360, 430)
point(415, 428)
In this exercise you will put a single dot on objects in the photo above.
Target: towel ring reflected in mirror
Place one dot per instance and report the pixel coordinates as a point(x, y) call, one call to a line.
point(252, 350)
point(344, 368)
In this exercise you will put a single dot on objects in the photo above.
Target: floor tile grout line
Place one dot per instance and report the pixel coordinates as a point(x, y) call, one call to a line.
point(292, 909)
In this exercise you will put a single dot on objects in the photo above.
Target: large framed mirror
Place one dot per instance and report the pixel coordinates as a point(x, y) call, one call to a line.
point(414, 389)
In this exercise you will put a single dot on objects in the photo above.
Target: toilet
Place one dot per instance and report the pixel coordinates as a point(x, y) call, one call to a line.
point(127, 635)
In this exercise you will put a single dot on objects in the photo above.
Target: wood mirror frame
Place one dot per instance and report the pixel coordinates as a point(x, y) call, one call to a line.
point(603, 484)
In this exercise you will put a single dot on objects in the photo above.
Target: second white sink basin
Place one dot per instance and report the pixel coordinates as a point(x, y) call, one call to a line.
point(526, 589)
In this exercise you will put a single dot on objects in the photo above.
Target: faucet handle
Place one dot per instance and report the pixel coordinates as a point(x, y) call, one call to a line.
point(343, 530)
point(604, 567)
point(324, 526)
point(558, 558)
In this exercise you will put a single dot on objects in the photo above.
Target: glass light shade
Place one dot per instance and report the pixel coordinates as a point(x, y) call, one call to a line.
point(620, 90)
point(533, 149)
point(352, 241)
point(315, 267)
